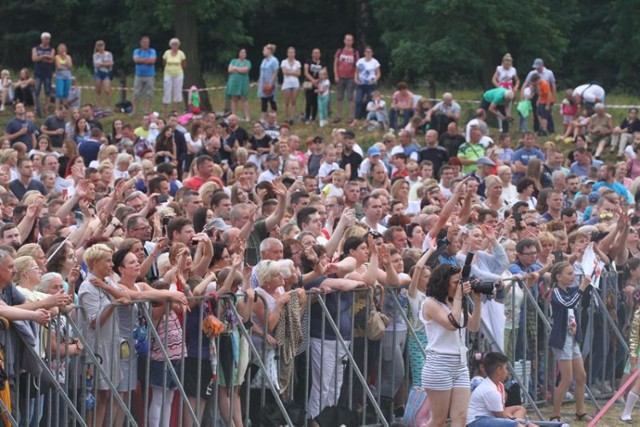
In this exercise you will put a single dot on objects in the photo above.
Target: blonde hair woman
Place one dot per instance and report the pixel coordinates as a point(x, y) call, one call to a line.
point(102, 66)
point(101, 327)
point(268, 80)
point(34, 251)
point(174, 61)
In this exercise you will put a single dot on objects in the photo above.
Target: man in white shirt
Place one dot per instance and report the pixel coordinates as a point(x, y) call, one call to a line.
point(372, 208)
point(588, 95)
point(273, 168)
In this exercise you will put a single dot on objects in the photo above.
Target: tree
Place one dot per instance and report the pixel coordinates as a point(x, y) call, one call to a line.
point(441, 40)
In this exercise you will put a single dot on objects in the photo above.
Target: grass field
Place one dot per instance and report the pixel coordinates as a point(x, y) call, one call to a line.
point(464, 96)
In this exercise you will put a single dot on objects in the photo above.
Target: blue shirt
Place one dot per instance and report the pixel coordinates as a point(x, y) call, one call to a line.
point(617, 187)
point(578, 170)
point(15, 125)
point(145, 70)
point(523, 155)
point(88, 149)
point(268, 68)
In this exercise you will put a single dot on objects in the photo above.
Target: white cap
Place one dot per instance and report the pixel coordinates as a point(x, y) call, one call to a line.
point(45, 35)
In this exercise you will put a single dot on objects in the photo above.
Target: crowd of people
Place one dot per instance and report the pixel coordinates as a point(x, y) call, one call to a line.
point(162, 209)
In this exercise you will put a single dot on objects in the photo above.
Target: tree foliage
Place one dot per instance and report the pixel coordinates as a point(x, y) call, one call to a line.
point(444, 41)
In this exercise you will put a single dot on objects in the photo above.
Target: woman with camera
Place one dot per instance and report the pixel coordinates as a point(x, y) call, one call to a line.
point(446, 319)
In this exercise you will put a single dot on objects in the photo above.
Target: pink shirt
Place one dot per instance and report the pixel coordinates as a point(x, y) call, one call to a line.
point(402, 101)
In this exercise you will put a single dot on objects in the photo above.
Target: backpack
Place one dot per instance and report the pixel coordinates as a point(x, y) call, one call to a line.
point(417, 412)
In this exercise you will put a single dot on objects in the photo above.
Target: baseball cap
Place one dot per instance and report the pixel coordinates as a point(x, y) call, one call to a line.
point(373, 151)
point(349, 134)
point(485, 161)
point(587, 181)
point(538, 62)
point(218, 224)
point(594, 196)
point(45, 35)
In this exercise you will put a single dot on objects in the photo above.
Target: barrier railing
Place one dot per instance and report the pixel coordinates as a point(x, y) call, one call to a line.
point(353, 371)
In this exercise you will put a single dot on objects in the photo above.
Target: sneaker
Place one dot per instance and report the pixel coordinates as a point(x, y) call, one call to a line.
point(626, 420)
point(2, 107)
point(569, 397)
point(337, 120)
point(606, 387)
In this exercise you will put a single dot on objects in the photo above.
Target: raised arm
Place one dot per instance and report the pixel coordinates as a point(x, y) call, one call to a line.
point(276, 217)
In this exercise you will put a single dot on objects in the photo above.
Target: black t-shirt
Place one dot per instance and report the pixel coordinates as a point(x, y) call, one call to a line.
point(354, 159)
point(53, 123)
point(95, 124)
point(631, 127)
point(437, 155)
point(315, 67)
point(228, 142)
point(451, 143)
point(264, 142)
point(241, 135)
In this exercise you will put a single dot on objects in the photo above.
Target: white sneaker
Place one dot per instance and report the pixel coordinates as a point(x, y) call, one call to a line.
point(2, 107)
point(323, 123)
point(568, 397)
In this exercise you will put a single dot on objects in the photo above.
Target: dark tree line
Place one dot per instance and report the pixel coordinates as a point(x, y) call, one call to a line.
point(443, 41)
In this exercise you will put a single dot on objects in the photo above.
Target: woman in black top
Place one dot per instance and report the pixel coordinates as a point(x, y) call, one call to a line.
point(312, 70)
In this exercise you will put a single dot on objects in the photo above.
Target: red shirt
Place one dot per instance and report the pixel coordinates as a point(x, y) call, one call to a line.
point(195, 182)
point(346, 62)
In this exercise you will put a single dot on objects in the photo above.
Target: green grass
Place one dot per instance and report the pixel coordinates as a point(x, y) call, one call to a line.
point(84, 77)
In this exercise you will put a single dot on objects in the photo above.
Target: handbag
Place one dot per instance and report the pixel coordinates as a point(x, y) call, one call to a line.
point(267, 90)
point(377, 322)
point(211, 325)
point(307, 85)
point(417, 412)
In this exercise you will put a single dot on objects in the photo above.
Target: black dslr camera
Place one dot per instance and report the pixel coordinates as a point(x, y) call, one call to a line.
point(480, 287)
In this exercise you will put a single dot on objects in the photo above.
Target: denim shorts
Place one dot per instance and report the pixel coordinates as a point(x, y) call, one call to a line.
point(570, 350)
point(345, 86)
point(102, 75)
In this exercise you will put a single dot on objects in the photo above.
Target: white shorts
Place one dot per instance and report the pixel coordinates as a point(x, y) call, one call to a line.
point(442, 372)
point(172, 89)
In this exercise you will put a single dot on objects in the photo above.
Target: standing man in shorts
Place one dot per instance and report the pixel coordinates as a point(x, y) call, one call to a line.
point(344, 71)
point(145, 60)
point(43, 56)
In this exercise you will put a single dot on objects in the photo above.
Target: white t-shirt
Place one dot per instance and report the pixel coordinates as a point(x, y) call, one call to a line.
point(322, 85)
point(589, 93)
point(485, 401)
point(506, 77)
point(290, 82)
point(367, 70)
point(324, 171)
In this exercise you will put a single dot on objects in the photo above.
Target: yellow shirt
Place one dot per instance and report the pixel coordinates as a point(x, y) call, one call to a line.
point(173, 67)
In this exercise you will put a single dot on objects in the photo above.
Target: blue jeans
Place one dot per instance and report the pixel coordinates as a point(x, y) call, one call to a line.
point(40, 81)
point(363, 95)
point(492, 422)
point(405, 114)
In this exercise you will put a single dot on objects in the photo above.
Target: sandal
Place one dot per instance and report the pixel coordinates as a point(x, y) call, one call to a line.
point(583, 417)
point(555, 419)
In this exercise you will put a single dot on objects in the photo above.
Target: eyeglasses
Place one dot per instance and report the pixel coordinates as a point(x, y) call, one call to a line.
point(532, 224)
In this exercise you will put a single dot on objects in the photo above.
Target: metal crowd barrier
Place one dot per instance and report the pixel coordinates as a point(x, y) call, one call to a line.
point(368, 379)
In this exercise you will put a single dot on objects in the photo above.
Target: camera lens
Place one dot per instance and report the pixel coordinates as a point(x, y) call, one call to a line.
point(483, 287)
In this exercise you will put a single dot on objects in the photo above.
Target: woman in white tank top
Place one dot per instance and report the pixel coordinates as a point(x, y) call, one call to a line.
point(445, 374)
